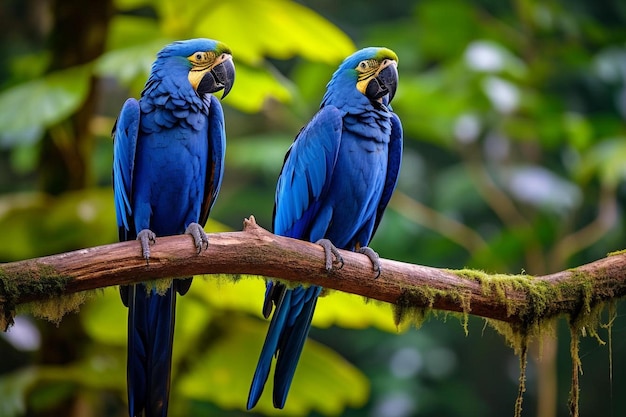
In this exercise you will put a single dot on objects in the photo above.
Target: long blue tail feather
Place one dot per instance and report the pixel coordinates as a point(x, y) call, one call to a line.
point(285, 338)
point(150, 338)
point(292, 343)
point(270, 346)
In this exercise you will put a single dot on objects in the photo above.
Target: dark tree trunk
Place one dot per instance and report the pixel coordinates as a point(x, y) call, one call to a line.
point(78, 37)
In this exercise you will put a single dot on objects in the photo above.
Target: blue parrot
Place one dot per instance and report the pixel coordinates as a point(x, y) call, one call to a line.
point(336, 180)
point(168, 160)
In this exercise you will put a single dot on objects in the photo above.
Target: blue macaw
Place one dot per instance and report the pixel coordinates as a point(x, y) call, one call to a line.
point(168, 160)
point(336, 181)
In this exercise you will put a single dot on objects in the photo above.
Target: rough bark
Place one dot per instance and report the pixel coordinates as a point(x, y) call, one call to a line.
point(516, 299)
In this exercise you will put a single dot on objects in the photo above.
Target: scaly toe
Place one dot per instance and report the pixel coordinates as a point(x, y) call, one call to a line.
point(146, 237)
point(329, 251)
point(200, 238)
point(374, 258)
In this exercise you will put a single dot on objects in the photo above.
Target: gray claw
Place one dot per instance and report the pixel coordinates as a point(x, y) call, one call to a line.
point(371, 253)
point(200, 238)
point(146, 237)
point(329, 251)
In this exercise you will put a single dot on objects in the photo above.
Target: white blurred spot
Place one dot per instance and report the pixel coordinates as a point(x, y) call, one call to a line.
point(24, 335)
point(491, 57)
point(504, 95)
point(440, 362)
point(406, 363)
point(86, 211)
point(399, 404)
point(540, 187)
point(497, 147)
point(610, 66)
point(484, 56)
point(467, 128)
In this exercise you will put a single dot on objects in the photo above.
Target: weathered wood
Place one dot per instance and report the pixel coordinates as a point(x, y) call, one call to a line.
point(514, 299)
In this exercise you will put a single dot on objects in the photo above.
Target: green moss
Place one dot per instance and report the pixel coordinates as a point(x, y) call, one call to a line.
point(498, 286)
point(34, 281)
point(617, 252)
point(410, 308)
point(160, 285)
point(53, 309)
point(415, 305)
point(581, 301)
point(163, 284)
point(523, 362)
point(234, 278)
point(612, 315)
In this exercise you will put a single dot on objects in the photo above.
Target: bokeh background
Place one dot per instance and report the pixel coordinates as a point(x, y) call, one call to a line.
point(515, 148)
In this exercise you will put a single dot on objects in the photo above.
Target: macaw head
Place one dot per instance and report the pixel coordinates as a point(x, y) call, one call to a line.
point(209, 64)
point(372, 72)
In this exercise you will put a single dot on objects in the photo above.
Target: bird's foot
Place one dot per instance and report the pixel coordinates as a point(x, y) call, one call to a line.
point(146, 237)
point(371, 253)
point(200, 238)
point(329, 251)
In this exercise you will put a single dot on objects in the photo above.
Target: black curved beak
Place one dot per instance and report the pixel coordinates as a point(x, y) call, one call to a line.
point(386, 82)
point(221, 77)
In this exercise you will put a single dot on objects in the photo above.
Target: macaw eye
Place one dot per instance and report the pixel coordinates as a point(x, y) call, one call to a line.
point(199, 57)
point(363, 65)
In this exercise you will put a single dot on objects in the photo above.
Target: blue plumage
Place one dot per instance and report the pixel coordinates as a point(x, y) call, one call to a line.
point(336, 181)
point(168, 160)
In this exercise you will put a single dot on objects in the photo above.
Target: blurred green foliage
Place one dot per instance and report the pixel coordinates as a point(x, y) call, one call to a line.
point(514, 161)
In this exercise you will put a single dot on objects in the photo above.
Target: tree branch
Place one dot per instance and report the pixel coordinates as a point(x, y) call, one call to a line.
point(516, 299)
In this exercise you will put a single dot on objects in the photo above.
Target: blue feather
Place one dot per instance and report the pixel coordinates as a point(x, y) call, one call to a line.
point(336, 181)
point(167, 170)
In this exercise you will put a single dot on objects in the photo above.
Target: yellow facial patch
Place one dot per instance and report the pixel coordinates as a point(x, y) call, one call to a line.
point(201, 62)
point(367, 69)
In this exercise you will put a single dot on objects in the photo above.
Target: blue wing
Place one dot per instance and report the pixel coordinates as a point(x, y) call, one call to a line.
point(124, 147)
point(303, 182)
point(393, 168)
point(214, 171)
point(215, 165)
point(306, 174)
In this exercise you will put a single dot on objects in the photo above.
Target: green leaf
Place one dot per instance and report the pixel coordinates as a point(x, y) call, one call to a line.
point(132, 4)
point(450, 17)
point(35, 224)
point(336, 308)
point(130, 65)
point(125, 31)
point(29, 108)
point(254, 85)
point(104, 318)
point(578, 129)
point(257, 28)
point(324, 381)
point(353, 312)
point(606, 160)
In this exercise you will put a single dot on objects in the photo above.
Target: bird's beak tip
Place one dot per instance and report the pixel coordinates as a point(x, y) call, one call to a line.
point(229, 76)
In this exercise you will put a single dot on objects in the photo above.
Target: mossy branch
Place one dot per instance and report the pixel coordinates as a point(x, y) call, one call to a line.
point(519, 300)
